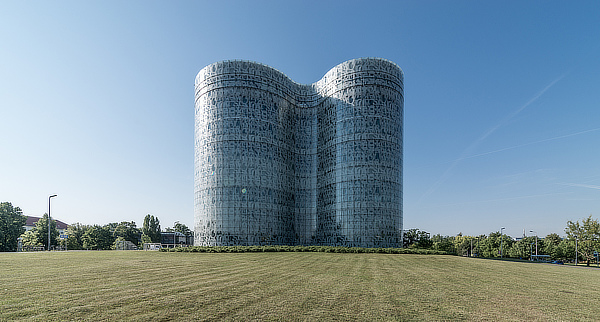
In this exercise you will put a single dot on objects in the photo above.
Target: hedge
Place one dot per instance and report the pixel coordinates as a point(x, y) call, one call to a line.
point(322, 249)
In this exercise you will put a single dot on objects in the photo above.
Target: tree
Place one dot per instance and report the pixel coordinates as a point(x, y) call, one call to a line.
point(588, 235)
point(145, 239)
point(97, 237)
point(566, 249)
point(118, 239)
point(75, 235)
point(477, 250)
point(11, 226)
point(151, 228)
point(550, 246)
point(523, 248)
point(127, 230)
point(486, 246)
point(463, 244)
point(414, 238)
point(182, 228)
point(443, 243)
point(490, 246)
point(39, 233)
point(29, 239)
point(410, 237)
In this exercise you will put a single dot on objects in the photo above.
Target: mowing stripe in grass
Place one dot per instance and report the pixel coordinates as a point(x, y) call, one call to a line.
point(141, 286)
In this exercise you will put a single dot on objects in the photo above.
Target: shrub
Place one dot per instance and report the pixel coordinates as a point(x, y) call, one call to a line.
point(285, 248)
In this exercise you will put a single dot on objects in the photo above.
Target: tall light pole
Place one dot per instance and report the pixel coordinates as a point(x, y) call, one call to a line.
point(174, 241)
point(471, 254)
point(530, 252)
point(49, 220)
point(535, 232)
point(501, 229)
point(576, 250)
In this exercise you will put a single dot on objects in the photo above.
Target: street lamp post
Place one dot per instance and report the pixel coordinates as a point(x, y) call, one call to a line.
point(536, 237)
point(530, 252)
point(576, 250)
point(52, 196)
point(471, 254)
point(501, 254)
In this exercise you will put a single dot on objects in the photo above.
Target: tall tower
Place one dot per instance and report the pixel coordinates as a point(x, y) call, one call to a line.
point(277, 162)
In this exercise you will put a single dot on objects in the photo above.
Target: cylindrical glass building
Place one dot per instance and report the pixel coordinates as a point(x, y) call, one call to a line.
point(277, 162)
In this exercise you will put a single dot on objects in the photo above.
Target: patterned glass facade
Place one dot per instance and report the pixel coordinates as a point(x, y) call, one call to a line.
point(277, 162)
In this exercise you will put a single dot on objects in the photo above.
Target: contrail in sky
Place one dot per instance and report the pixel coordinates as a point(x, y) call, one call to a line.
point(467, 151)
point(582, 185)
point(509, 117)
point(530, 143)
point(504, 199)
point(517, 146)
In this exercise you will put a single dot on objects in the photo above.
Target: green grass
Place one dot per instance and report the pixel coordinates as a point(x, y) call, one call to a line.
point(155, 286)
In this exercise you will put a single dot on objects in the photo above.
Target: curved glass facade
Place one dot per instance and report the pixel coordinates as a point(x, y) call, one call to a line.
point(277, 162)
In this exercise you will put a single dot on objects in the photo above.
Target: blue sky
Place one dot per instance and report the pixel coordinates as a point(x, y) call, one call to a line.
point(502, 112)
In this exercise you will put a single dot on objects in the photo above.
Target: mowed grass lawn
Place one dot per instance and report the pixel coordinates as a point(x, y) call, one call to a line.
point(155, 286)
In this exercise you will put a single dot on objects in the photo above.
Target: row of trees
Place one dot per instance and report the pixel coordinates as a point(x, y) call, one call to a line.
point(97, 237)
point(12, 226)
point(584, 234)
point(105, 237)
point(587, 234)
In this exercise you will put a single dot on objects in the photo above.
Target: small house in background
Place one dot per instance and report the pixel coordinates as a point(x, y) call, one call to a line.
point(31, 221)
point(172, 239)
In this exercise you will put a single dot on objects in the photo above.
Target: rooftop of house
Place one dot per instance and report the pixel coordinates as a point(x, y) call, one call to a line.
point(32, 220)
